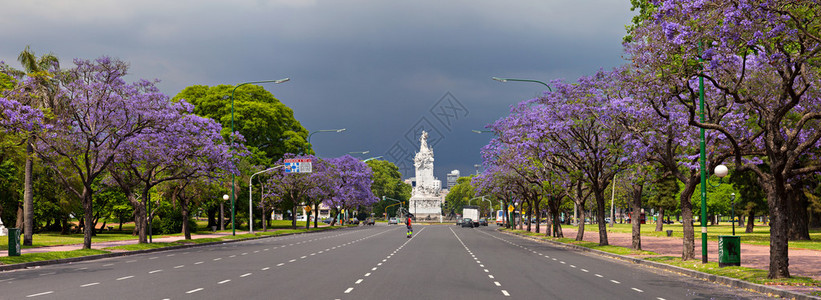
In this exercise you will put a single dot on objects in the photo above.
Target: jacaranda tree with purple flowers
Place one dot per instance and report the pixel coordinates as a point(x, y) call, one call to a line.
point(762, 59)
point(103, 112)
point(185, 148)
point(352, 184)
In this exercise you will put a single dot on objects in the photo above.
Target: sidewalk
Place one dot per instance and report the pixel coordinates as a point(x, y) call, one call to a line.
point(806, 263)
point(101, 245)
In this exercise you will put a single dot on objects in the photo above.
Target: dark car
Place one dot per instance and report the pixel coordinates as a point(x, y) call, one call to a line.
point(482, 222)
point(467, 222)
point(459, 221)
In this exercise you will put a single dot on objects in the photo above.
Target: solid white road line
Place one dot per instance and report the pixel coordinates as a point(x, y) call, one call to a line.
point(39, 294)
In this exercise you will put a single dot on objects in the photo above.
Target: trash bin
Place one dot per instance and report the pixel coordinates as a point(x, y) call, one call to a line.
point(729, 250)
point(14, 241)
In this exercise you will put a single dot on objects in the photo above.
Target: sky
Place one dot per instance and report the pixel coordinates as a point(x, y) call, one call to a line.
point(382, 69)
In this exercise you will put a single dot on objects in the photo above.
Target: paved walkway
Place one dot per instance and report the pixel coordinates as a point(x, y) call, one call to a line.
point(101, 245)
point(806, 263)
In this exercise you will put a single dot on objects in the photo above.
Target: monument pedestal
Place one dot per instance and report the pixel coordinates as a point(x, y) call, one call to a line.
point(425, 208)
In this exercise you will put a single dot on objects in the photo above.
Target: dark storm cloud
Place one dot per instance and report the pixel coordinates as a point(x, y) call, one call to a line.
point(375, 67)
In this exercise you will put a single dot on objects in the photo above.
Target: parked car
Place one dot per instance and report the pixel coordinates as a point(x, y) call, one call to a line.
point(370, 221)
point(392, 220)
point(328, 220)
point(482, 222)
point(459, 221)
point(353, 221)
point(467, 222)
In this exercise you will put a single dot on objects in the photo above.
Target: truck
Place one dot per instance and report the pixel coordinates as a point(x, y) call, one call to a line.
point(472, 212)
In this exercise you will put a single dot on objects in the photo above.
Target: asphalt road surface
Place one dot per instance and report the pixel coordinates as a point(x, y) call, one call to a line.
point(367, 262)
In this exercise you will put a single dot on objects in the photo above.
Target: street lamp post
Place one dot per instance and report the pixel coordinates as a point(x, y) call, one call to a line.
point(522, 80)
point(325, 130)
point(720, 171)
point(233, 186)
point(732, 210)
point(612, 203)
point(372, 158)
point(222, 217)
point(251, 197)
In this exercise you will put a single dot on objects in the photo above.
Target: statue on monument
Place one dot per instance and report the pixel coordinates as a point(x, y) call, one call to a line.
point(425, 202)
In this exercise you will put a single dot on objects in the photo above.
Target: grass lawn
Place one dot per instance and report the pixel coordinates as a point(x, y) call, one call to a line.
point(49, 256)
point(55, 238)
point(747, 274)
point(759, 236)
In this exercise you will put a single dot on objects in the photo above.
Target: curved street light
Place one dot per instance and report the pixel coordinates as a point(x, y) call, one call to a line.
point(233, 186)
point(325, 130)
point(251, 197)
point(522, 80)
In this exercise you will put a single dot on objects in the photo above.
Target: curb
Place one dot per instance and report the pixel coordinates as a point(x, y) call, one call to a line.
point(41, 263)
point(732, 282)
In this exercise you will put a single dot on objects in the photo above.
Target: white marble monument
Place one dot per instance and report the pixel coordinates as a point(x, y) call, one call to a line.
point(3, 230)
point(425, 202)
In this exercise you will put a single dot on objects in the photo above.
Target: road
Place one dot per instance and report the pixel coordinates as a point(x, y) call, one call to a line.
point(368, 262)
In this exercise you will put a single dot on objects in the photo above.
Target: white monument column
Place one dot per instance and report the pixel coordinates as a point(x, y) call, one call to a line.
point(425, 203)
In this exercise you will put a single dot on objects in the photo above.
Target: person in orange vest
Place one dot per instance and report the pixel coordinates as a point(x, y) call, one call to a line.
point(410, 227)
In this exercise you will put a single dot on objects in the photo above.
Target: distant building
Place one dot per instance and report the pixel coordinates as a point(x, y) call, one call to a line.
point(452, 177)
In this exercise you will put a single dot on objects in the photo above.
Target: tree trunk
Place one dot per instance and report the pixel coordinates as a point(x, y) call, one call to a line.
point(635, 203)
point(580, 232)
point(66, 227)
point(20, 216)
point(88, 212)
point(28, 196)
point(797, 203)
point(600, 217)
point(539, 219)
point(186, 230)
point(779, 230)
point(688, 242)
point(740, 218)
point(529, 215)
point(750, 222)
point(660, 220)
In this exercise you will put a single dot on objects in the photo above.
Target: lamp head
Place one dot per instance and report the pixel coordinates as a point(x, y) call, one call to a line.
point(499, 79)
point(340, 130)
point(225, 197)
point(282, 80)
point(721, 171)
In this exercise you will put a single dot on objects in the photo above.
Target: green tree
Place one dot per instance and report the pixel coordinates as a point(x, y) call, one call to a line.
point(662, 196)
point(387, 181)
point(268, 126)
point(459, 195)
